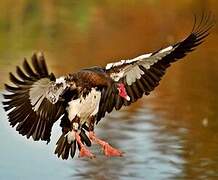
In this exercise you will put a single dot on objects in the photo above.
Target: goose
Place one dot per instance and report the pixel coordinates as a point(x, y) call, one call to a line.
point(36, 98)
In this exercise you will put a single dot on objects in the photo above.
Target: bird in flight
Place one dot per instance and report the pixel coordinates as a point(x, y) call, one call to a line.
point(37, 99)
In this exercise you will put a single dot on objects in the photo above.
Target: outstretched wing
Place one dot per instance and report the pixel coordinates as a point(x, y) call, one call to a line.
point(142, 74)
point(27, 102)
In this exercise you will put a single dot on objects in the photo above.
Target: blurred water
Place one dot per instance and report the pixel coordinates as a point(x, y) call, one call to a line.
point(172, 134)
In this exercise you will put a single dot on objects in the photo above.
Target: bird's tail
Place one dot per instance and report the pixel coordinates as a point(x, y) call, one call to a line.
point(65, 147)
point(66, 144)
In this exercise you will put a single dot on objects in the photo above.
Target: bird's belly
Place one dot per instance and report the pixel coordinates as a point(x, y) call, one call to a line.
point(84, 107)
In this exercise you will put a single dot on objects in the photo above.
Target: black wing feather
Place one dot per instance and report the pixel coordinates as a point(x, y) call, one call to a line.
point(151, 77)
point(37, 124)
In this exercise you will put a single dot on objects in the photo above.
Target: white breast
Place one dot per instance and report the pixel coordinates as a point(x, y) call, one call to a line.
point(84, 107)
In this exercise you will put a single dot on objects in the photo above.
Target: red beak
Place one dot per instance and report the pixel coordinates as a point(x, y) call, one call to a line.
point(122, 91)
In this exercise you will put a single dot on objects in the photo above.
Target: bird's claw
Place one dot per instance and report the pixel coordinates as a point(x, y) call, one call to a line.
point(84, 152)
point(110, 151)
point(107, 148)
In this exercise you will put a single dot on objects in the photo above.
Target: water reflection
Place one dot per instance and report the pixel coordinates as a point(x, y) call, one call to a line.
point(171, 134)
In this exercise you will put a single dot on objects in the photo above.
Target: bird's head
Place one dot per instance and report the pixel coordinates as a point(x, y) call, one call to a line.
point(122, 91)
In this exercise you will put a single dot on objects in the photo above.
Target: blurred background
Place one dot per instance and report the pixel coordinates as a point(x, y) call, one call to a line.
point(171, 134)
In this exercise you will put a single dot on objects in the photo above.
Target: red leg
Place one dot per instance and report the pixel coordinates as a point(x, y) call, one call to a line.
point(84, 152)
point(108, 149)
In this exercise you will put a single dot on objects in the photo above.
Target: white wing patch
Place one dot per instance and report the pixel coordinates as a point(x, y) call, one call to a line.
point(61, 80)
point(44, 88)
point(131, 71)
point(166, 49)
point(139, 58)
point(148, 62)
point(132, 74)
point(38, 92)
point(111, 65)
point(84, 107)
